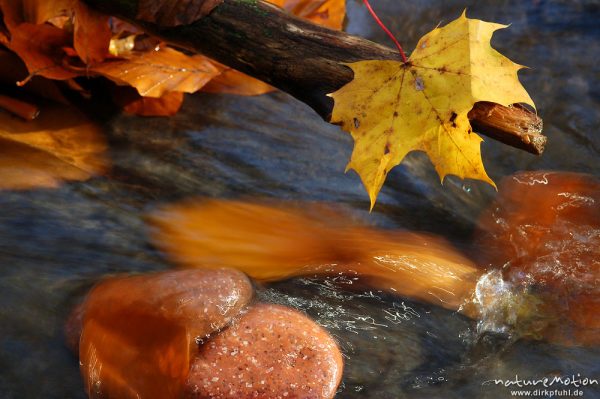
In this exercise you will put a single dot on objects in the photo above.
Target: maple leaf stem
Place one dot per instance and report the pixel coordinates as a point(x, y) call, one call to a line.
point(385, 29)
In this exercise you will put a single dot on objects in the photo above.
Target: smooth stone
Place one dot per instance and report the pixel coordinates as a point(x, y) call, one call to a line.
point(271, 352)
point(139, 332)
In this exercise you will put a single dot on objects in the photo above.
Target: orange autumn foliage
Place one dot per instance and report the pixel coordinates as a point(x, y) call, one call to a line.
point(64, 39)
point(154, 73)
point(61, 144)
point(41, 47)
point(329, 13)
point(231, 81)
point(92, 34)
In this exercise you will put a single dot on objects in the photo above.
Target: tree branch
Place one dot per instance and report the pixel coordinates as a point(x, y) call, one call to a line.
point(306, 60)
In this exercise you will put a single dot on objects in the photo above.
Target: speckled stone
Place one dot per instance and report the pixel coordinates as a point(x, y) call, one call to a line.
point(270, 352)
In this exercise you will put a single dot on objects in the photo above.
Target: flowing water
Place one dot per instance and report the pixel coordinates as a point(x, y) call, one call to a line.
point(54, 244)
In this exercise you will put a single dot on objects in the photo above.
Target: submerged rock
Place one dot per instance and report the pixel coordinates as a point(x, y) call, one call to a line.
point(139, 332)
point(140, 336)
point(544, 231)
point(270, 352)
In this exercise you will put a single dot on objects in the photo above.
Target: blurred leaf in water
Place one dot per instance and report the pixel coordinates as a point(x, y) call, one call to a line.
point(278, 241)
point(267, 242)
point(60, 144)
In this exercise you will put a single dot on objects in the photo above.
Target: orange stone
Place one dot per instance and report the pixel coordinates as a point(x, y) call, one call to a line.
point(544, 231)
point(139, 332)
point(270, 352)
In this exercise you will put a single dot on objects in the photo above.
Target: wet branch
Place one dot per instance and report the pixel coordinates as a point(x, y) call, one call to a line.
point(305, 60)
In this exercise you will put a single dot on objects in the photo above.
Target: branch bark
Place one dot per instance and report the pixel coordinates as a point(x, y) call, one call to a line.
point(306, 60)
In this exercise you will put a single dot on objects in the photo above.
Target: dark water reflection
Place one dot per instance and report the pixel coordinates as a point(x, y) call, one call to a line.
point(54, 244)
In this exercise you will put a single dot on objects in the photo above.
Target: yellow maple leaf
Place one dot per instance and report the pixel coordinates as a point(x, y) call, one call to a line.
point(392, 108)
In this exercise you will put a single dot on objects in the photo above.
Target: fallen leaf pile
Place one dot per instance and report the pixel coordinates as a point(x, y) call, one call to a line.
point(49, 46)
point(61, 144)
point(66, 39)
point(392, 108)
point(50, 143)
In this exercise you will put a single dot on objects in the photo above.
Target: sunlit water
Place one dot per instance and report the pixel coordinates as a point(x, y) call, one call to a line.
point(54, 244)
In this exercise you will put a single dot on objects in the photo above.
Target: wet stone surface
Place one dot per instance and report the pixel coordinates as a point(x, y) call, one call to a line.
point(138, 332)
point(270, 351)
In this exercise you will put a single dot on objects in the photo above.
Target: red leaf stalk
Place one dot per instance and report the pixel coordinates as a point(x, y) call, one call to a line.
point(385, 29)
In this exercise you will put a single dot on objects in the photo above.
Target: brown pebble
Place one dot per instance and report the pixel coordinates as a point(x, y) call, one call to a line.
point(270, 352)
point(139, 332)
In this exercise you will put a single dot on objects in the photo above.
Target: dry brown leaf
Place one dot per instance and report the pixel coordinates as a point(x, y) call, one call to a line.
point(92, 34)
point(174, 12)
point(40, 11)
point(13, 70)
point(155, 73)
point(41, 47)
point(231, 81)
point(61, 144)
